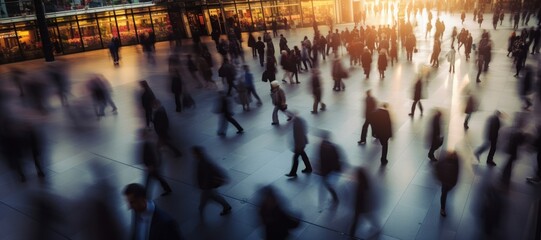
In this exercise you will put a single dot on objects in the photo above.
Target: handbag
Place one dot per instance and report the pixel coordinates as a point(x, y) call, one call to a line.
point(283, 107)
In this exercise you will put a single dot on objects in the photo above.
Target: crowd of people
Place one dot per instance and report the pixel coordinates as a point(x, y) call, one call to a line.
point(235, 83)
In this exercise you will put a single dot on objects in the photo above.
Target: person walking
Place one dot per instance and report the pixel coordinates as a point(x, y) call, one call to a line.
point(436, 140)
point(147, 101)
point(176, 89)
point(192, 68)
point(161, 127)
point(329, 162)
point(249, 84)
point(151, 159)
point(229, 72)
point(300, 140)
point(338, 72)
point(149, 221)
point(317, 91)
point(417, 95)
point(251, 44)
point(451, 58)
point(279, 101)
point(223, 108)
point(366, 62)
point(370, 107)
point(491, 138)
point(210, 177)
point(383, 131)
point(471, 105)
point(260, 47)
point(275, 218)
point(382, 64)
point(447, 173)
point(515, 140)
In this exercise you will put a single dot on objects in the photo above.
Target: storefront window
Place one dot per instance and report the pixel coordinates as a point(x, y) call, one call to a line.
point(257, 15)
point(126, 30)
point(230, 15)
point(307, 13)
point(29, 40)
point(70, 37)
point(162, 26)
point(9, 49)
point(245, 16)
point(216, 19)
point(143, 24)
point(108, 30)
point(324, 9)
point(91, 35)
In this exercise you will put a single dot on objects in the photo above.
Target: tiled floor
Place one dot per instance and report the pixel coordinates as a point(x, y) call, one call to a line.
point(86, 155)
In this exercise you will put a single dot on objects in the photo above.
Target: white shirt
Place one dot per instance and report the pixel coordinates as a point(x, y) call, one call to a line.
point(451, 56)
point(142, 222)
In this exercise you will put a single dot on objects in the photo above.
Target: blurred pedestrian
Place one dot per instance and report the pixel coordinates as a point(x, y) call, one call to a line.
point(276, 220)
point(229, 72)
point(417, 95)
point(382, 127)
point(451, 58)
point(260, 47)
point(148, 98)
point(279, 101)
point(329, 162)
point(526, 87)
point(338, 73)
point(369, 108)
point(152, 161)
point(364, 200)
point(210, 177)
point(149, 221)
point(492, 128)
point(249, 84)
point(317, 91)
point(382, 64)
point(537, 146)
point(176, 89)
point(300, 141)
point(471, 106)
point(436, 138)
point(515, 139)
point(223, 108)
point(447, 173)
point(192, 68)
point(161, 127)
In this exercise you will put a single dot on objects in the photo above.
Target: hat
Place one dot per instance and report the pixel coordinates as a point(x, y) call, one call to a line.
point(275, 84)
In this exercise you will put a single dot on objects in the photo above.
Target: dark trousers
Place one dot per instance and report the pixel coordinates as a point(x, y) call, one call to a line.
point(148, 116)
point(254, 52)
point(305, 160)
point(262, 59)
point(211, 194)
point(328, 186)
point(384, 148)
point(230, 86)
point(409, 55)
point(467, 119)
point(163, 139)
point(491, 152)
point(309, 62)
point(506, 174)
point(365, 130)
point(154, 174)
point(443, 198)
point(436, 143)
point(223, 123)
point(178, 102)
point(251, 90)
point(413, 106)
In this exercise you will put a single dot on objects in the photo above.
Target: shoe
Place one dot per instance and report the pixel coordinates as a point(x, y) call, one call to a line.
point(313, 112)
point(240, 131)
point(226, 211)
point(298, 82)
point(534, 180)
point(221, 134)
point(307, 171)
point(491, 163)
point(166, 193)
point(361, 142)
point(275, 123)
point(289, 118)
point(433, 159)
point(291, 175)
point(384, 162)
point(284, 81)
point(443, 213)
point(411, 114)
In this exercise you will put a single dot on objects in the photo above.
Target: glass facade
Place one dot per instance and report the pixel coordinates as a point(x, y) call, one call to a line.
point(82, 25)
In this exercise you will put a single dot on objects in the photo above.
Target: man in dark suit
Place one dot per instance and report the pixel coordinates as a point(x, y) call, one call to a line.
point(300, 140)
point(147, 99)
point(370, 107)
point(383, 130)
point(151, 159)
point(491, 134)
point(417, 92)
point(260, 46)
point(149, 222)
point(436, 140)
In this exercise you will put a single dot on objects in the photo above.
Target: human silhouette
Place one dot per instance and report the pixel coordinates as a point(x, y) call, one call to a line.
point(300, 141)
point(275, 218)
point(436, 138)
point(329, 162)
point(417, 95)
point(370, 107)
point(383, 131)
point(447, 173)
point(492, 128)
point(151, 159)
point(161, 127)
point(223, 108)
